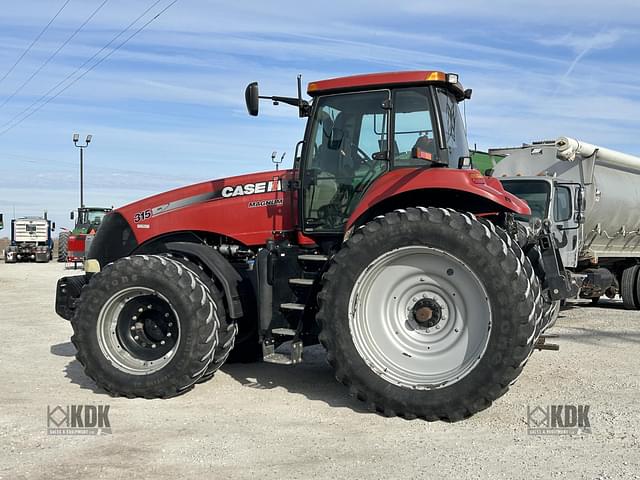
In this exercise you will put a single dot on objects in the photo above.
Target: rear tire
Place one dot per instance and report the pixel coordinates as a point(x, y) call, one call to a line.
point(63, 240)
point(628, 288)
point(145, 327)
point(370, 351)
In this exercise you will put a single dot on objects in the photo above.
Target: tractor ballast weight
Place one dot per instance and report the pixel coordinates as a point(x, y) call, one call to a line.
point(381, 243)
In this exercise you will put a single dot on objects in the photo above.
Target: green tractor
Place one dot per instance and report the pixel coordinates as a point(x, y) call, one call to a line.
point(88, 221)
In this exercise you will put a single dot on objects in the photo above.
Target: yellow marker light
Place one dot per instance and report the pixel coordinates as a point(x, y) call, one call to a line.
point(92, 266)
point(312, 87)
point(436, 77)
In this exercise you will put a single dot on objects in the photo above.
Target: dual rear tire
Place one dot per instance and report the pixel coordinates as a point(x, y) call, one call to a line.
point(428, 313)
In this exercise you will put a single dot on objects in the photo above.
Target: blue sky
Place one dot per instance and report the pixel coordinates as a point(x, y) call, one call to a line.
point(167, 109)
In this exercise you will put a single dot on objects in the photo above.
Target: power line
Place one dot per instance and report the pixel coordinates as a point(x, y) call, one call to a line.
point(46, 27)
point(52, 56)
point(61, 82)
point(2, 132)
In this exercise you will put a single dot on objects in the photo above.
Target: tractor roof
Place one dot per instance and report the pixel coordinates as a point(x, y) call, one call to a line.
point(386, 79)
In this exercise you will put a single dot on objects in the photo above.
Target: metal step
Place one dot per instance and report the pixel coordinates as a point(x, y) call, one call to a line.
point(292, 306)
point(269, 355)
point(290, 332)
point(313, 258)
point(306, 282)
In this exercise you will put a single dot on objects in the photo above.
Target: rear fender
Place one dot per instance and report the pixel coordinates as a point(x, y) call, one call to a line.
point(465, 190)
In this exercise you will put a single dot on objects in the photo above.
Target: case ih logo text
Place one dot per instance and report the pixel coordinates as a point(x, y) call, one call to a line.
point(252, 188)
point(78, 420)
point(558, 420)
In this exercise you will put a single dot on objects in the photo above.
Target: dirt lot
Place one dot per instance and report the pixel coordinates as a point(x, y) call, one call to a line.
point(271, 421)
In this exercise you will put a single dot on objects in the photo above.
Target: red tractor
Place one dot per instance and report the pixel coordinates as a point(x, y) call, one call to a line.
point(381, 243)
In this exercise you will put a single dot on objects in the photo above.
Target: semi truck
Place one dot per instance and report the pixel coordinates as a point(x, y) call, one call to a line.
point(590, 198)
point(30, 240)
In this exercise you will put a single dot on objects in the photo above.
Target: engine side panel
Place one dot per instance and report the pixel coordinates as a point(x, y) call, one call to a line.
point(246, 208)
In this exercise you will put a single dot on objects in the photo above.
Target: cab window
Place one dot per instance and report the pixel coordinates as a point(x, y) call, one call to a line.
point(562, 204)
point(455, 134)
point(347, 132)
point(413, 127)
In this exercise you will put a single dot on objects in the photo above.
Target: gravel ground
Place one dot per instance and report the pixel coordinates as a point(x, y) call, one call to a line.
point(270, 421)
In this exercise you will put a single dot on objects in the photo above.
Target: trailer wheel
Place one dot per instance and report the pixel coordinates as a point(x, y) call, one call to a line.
point(427, 313)
point(227, 329)
point(628, 288)
point(63, 240)
point(145, 327)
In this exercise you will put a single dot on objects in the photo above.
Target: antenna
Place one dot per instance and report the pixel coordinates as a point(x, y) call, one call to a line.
point(277, 162)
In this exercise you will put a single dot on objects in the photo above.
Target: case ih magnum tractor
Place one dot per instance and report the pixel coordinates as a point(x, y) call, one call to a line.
point(381, 243)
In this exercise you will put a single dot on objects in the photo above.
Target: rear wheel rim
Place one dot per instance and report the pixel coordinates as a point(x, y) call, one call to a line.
point(138, 331)
point(420, 318)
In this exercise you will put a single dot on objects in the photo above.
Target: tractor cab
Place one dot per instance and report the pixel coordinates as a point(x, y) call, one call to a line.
point(364, 126)
point(89, 219)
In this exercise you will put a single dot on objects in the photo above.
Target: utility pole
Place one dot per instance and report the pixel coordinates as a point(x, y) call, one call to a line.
point(76, 137)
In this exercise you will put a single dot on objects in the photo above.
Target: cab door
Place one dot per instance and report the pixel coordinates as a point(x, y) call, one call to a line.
point(566, 222)
point(345, 151)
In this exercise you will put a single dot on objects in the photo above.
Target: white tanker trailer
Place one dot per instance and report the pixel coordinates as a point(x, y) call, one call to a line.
point(591, 198)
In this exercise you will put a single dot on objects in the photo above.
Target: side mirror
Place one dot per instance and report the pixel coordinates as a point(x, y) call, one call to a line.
point(252, 99)
point(53, 226)
point(71, 215)
point(1, 221)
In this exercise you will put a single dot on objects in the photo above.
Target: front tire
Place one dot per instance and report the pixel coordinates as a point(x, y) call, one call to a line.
point(145, 327)
point(422, 269)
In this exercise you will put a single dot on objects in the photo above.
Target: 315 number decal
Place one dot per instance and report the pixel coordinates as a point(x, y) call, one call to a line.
point(140, 216)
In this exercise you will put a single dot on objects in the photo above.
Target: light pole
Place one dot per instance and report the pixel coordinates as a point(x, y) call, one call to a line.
point(76, 137)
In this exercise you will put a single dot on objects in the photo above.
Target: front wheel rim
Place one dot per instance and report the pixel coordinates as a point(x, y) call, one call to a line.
point(138, 331)
point(420, 318)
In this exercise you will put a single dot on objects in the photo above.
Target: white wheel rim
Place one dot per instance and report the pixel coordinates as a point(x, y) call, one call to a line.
point(388, 306)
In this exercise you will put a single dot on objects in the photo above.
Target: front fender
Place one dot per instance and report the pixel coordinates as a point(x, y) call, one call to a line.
point(470, 183)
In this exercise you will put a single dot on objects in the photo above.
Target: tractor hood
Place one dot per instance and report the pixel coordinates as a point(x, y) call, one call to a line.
point(245, 186)
point(244, 208)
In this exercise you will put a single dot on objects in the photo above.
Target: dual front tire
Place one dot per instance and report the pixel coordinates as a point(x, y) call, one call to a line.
point(149, 326)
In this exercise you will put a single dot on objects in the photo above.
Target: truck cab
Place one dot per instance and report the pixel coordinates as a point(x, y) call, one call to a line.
point(555, 202)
